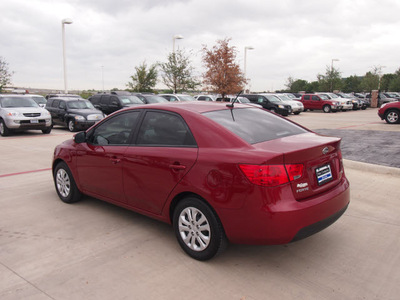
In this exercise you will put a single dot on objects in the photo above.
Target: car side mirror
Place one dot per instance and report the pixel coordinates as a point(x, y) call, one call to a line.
point(80, 137)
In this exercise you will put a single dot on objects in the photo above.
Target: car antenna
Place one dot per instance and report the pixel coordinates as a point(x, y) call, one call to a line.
point(234, 100)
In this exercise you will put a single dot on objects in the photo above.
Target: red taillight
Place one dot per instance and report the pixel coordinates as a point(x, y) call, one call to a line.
point(294, 171)
point(272, 175)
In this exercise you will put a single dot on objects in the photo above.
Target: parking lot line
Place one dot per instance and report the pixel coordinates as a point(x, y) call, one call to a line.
point(25, 172)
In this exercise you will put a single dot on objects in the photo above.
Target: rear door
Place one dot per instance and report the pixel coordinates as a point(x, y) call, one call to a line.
point(165, 151)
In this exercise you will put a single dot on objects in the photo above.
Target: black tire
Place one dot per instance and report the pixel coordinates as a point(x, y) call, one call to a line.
point(71, 125)
point(198, 229)
point(327, 108)
point(392, 116)
point(65, 184)
point(47, 130)
point(273, 110)
point(4, 131)
point(297, 113)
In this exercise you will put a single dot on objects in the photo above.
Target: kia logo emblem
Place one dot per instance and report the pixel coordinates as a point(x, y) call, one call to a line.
point(325, 150)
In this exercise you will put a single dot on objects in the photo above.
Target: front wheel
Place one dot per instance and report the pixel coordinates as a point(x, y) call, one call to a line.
point(392, 117)
point(4, 131)
point(47, 130)
point(198, 229)
point(71, 125)
point(273, 110)
point(327, 109)
point(65, 184)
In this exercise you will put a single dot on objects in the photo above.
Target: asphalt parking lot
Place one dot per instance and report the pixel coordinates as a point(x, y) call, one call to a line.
point(94, 250)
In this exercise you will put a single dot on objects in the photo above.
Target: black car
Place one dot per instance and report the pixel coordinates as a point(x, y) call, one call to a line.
point(110, 102)
point(270, 102)
point(76, 114)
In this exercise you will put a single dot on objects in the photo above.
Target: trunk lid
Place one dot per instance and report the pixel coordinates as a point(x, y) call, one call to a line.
point(320, 156)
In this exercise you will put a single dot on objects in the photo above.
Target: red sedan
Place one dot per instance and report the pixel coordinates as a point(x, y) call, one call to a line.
point(217, 173)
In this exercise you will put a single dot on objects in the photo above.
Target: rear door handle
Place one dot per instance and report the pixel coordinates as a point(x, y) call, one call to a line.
point(115, 160)
point(177, 167)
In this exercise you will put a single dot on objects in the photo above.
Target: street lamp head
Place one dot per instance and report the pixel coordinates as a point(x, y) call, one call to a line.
point(249, 48)
point(335, 59)
point(178, 37)
point(66, 21)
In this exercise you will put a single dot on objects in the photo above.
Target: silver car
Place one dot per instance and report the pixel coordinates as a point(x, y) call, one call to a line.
point(297, 106)
point(21, 112)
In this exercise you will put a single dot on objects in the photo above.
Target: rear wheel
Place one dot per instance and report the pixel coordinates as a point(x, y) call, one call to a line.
point(392, 117)
point(198, 229)
point(327, 109)
point(4, 131)
point(65, 184)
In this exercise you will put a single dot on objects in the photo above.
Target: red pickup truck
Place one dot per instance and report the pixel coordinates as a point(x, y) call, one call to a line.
point(320, 102)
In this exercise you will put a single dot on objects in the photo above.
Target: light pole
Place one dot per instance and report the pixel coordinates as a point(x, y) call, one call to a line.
point(102, 76)
point(245, 62)
point(333, 59)
point(63, 22)
point(175, 37)
point(380, 77)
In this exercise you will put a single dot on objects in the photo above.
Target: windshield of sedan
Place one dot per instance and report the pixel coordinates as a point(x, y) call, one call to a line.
point(39, 99)
point(130, 99)
point(8, 102)
point(80, 105)
point(273, 98)
point(254, 125)
point(155, 99)
point(324, 97)
point(186, 98)
point(284, 98)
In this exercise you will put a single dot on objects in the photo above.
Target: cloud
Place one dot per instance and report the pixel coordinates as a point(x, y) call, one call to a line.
point(109, 38)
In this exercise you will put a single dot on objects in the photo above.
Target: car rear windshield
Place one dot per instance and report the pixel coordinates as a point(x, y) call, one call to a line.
point(254, 125)
point(131, 99)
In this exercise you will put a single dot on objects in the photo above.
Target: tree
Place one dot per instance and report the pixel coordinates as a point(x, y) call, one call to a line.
point(386, 80)
point(299, 85)
point(330, 81)
point(289, 83)
point(370, 81)
point(223, 75)
point(5, 74)
point(145, 79)
point(177, 72)
point(352, 84)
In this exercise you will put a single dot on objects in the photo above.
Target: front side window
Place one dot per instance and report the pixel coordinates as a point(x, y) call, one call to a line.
point(114, 131)
point(254, 125)
point(164, 129)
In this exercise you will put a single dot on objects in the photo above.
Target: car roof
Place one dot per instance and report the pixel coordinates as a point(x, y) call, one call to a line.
point(68, 99)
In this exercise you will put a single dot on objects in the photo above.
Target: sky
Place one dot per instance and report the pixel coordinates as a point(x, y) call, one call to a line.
point(109, 38)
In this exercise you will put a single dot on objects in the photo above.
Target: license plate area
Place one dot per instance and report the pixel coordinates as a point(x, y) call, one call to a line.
point(34, 121)
point(324, 174)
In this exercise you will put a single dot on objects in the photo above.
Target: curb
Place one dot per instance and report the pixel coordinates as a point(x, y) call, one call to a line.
point(378, 169)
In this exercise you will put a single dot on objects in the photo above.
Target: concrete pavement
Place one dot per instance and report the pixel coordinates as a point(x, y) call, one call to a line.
point(94, 250)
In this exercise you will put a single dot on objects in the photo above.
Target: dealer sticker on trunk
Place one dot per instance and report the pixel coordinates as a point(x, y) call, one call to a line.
point(324, 174)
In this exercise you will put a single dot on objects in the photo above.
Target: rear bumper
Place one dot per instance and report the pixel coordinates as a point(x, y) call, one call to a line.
point(267, 221)
point(318, 226)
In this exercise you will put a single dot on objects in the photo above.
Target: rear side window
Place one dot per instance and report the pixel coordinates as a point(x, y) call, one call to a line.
point(164, 129)
point(306, 97)
point(254, 125)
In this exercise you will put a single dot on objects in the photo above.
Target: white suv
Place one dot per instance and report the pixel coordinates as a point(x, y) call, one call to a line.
point(21, 112)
